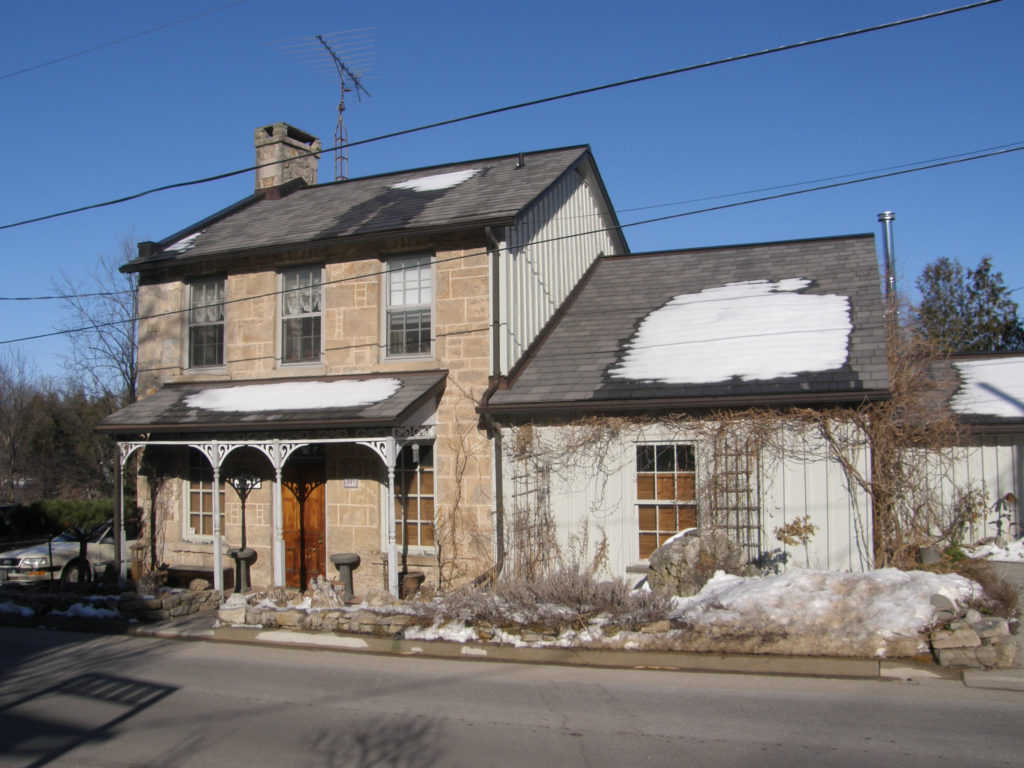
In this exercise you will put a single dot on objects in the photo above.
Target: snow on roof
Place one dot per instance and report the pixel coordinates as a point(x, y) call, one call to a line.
point(437, 181)
point(754, 330)
point(991, 387)
point(185, 244)
point(294, 396)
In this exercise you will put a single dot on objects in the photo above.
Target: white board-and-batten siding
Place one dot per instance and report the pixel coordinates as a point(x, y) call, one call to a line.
point(544, 256)
point(595, 500)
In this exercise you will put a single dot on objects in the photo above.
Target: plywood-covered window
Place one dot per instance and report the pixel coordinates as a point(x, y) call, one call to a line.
point(414, 496)
point(666, 498)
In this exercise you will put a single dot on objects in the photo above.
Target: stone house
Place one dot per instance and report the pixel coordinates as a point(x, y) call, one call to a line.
point(324, 347)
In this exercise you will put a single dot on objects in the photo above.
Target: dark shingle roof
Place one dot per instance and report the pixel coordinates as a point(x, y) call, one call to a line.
point(497, 192)
point(571, 366)
point(167, 410)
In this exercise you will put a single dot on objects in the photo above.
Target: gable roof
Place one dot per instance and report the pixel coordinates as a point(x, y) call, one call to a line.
point(789, 322)
point(439, 198)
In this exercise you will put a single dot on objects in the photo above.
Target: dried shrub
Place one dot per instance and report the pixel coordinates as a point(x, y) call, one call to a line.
point(565, 599)
point(999, 597)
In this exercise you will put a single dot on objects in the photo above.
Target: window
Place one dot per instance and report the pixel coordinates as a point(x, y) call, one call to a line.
point(206, 323)
point(665, 493)
point(301, 306)
point(410, 296)
point(200, 497)
point(414, 496)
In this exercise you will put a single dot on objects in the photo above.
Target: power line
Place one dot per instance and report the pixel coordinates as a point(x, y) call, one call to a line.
point(119, 40)
point(859, 175)
point(724, 206)
point(521, 105)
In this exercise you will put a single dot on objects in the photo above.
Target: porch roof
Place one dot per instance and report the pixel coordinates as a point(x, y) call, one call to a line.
point(323, 403)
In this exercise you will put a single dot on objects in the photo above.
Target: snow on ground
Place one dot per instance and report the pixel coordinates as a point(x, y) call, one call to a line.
point(1013, 552)
point(438, 181)
point(755, 330)
point(991, 387)
point(9, 606)
point(883, 613)
point(293, 396)
point(86, 611)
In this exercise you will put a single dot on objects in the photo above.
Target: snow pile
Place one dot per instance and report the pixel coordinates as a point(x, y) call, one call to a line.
point(294, 396)
point(885, 613)
point(881, 613)
point(1013, 552)
point(755, 330)
point(993, 387)
point(438, 181)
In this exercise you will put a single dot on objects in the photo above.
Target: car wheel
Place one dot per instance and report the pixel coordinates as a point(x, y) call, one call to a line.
point(76, 573)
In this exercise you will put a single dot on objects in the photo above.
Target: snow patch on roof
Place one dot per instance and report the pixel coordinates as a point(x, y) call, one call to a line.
point(992, 387)
point(185, 244)
point(755, 330)
point(294, 396)
point(437, 181)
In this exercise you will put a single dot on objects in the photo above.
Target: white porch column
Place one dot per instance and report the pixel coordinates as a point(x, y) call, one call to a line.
point(218, 567)
point(277, 519)
point(392, 458)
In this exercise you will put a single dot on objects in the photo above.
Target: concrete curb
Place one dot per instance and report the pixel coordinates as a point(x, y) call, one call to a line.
point(750, 664)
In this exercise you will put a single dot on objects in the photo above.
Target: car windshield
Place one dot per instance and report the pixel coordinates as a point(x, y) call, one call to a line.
point(93, 536)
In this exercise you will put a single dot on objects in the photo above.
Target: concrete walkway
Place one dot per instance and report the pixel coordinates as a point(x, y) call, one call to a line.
point(202, 626)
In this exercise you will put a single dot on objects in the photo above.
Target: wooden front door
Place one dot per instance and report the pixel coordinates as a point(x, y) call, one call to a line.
point(302, 506)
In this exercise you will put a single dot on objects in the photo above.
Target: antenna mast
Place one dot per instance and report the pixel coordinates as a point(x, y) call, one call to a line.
point(349, 82)
point(355, 47)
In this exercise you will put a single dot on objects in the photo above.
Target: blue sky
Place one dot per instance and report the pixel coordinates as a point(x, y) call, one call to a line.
point(182, 103)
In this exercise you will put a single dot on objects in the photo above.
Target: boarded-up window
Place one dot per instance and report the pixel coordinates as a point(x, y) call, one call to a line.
point(666, 497)
point(200, 497)
point(414, 496)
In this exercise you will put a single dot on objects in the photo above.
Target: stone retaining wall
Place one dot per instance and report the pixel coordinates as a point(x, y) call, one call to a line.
point(971, 640)
point(166, 604)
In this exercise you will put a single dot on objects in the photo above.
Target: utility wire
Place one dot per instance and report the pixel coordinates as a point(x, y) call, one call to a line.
point(916, 165)
point(460, 257)
point(521, 105)
point(119, 40)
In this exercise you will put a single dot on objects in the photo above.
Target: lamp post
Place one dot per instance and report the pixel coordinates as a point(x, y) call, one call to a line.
point(244, 483)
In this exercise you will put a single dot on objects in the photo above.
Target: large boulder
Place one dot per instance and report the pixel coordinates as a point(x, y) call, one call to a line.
point(685, 564)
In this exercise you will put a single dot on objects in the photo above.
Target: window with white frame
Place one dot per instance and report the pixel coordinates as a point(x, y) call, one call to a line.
point(414, 496)
point(666, 498)
point(200, 497)
point(301, 315)
point(206, 323)
point(409, 305)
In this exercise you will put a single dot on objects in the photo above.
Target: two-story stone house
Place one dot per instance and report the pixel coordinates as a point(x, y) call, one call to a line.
point(334, 341)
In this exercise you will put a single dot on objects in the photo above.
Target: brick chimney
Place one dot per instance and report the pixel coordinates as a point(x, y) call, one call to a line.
point(281, 141)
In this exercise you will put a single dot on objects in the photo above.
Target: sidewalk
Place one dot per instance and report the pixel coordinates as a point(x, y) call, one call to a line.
point(201, 626)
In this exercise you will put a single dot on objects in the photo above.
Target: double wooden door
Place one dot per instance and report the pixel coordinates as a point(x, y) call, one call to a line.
point(302, 507)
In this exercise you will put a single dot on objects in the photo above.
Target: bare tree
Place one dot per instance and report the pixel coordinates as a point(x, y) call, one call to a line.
point(18, 387)
point(100, 317)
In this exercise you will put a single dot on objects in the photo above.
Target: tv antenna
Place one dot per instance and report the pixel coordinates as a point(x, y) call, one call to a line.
point(329, 54)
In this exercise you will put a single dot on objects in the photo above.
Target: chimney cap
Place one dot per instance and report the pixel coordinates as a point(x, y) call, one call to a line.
point(886, 216)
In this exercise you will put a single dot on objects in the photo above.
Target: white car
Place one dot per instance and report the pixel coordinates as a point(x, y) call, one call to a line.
point(31, 565)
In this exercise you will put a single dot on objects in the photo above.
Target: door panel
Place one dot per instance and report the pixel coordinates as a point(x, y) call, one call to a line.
point(302, 507)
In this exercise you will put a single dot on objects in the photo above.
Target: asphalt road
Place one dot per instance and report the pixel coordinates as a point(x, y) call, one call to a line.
point(115, 700)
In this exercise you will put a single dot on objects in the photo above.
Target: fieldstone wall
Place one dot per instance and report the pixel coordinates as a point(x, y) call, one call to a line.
point(167, 603)
point(971, 640)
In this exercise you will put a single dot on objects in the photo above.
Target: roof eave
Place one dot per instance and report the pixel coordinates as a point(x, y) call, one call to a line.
point(677, 404)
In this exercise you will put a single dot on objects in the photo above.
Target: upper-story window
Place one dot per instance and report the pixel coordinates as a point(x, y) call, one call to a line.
point(206, 322)
point(409, 305)
point(301, 315)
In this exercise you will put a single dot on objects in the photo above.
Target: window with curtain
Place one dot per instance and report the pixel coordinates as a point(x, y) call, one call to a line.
point(410, 297)
point(206, 323)
point(301, 315)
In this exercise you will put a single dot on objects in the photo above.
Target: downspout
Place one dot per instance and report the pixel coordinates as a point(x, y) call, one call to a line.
point(495, 432)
